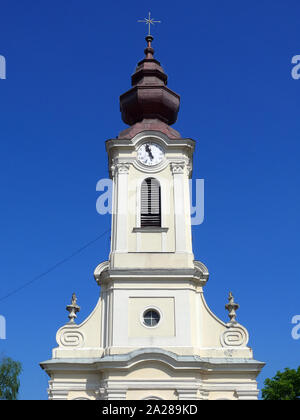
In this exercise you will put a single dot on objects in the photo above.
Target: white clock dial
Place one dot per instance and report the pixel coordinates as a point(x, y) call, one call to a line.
point(150, 154)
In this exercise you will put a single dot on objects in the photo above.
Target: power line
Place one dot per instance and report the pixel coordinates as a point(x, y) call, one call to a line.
point(59, 263)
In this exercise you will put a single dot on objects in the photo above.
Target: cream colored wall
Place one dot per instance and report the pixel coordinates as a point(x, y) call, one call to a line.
point(76, 384)
point(147, 379)
point(151, 242)
point(187, 325)
point(211, 327)
point(153, 260)
point(128, 176)
point(129, 303)
point(152, 371)
point(138, 305)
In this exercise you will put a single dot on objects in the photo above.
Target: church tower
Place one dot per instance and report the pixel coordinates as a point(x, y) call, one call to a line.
point(151, 334)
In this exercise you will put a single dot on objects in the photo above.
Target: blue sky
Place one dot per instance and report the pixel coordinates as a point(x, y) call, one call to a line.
point(67, 64)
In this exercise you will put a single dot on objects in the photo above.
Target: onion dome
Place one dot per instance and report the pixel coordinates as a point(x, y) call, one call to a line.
point(149, 104)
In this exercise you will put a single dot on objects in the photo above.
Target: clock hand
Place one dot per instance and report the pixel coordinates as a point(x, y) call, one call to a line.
point(148, 150)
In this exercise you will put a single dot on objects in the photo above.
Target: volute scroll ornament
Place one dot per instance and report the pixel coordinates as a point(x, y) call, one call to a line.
point(234, 337)
point(70, 337)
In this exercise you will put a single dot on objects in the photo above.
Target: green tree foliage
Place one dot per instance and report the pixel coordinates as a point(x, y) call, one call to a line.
point(9, 378)
point(284, 386)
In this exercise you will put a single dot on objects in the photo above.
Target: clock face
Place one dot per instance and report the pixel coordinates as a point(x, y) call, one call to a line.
point(150, 154)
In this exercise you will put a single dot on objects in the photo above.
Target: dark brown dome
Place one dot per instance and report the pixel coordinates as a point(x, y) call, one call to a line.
point(149, 98)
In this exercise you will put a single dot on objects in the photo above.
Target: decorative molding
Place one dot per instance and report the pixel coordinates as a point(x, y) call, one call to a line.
point(177, 167)
point(236, 336)
point(150, 229)
point(70, 337)
point(101, 393)
point(187, 393)
point(201, 272)
point(247, 394)
point(106, 392)
point(189, 168)
point(99, 270)
point(204, 394)
point(135, 357)
point(119, 168)
point(57, 395)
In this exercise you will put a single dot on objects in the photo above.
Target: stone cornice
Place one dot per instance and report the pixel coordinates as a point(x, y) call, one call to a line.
point(198, 275)
point(128, 360)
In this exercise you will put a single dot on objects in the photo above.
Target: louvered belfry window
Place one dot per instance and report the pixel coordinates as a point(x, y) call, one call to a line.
point(150, 203)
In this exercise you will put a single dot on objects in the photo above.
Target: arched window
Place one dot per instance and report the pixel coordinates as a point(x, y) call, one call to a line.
point(150, 203)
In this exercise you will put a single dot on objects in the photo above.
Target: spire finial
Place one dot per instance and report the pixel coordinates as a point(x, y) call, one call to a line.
point(149, 104)
point(73, 309)
point(149, 51)
point(232, 307)
point(149, 39)
point(149, 21)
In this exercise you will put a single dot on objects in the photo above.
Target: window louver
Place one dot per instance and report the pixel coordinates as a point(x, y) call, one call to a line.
point(150, 203)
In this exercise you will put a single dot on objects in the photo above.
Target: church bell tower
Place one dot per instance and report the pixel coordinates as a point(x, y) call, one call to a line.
point(151, 334)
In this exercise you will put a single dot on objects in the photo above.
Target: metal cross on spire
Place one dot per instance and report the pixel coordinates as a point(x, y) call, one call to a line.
point(149, 21)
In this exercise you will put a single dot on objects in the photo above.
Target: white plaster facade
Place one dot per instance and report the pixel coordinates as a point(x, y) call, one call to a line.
point(190, 354)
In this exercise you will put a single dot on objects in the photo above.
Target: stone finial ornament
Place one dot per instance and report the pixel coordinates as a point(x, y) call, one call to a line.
point(231, 307)
point(73, 309)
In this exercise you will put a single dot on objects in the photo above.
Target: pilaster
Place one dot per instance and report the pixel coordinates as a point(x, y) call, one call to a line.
point(179, 210)
point(120, 224)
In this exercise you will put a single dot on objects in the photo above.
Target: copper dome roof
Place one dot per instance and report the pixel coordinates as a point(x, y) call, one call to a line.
point(149, 98)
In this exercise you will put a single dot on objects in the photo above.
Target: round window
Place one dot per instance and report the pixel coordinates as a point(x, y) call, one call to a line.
point(151, 317)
